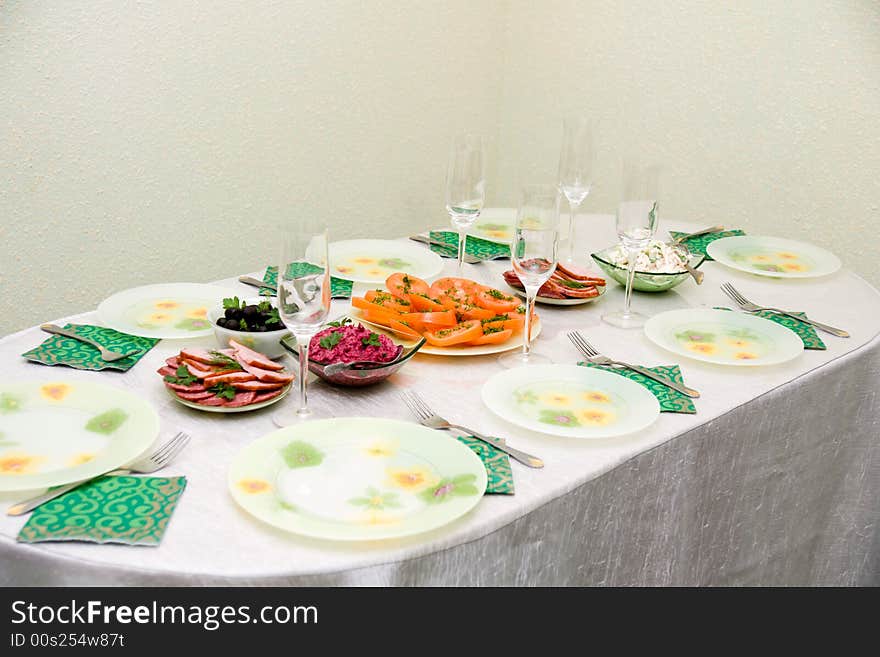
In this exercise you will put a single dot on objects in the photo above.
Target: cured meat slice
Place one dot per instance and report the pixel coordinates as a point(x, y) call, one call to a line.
point(195, 396)
point(582, 293)
point(256, 385)
point(267, 375)
point(167, 371)
point(573, 272)
point(195, 387)
point(230, 377)
point(213, 400)
point(240, 399)
point(264, 396)
point(197, 371)
point(200, 355)
point(245, 355)
point(174, 361)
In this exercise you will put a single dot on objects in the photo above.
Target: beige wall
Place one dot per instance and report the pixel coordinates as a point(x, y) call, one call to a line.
point(148, 142)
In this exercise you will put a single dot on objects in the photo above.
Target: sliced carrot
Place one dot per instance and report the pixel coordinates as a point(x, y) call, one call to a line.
point(495, 337)
point(401, 284)
point(496, 301)
point(446, 337)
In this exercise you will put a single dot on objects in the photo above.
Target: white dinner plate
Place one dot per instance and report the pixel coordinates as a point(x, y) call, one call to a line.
point(63, 431)
point(357, 479)
point(773, 256)
point(570, 401)
point(724, 337)
point(165, 310)
point(372, 261)
point(495, 225)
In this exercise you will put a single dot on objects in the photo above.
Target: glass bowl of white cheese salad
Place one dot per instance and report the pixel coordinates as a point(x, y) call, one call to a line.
point(659, 266)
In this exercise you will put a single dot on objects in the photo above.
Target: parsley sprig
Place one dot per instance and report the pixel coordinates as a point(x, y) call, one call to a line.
point(182, 378)
point(372, 340)
point(223, 390)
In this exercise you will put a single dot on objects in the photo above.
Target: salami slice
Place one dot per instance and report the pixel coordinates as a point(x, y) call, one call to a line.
point(240, 399)
point(213, 400)
point(197, 371)
point(174, 362)
point(256, 385)
point(195, 396)
point(265, 396)
point(167, 371)
point(176, 387)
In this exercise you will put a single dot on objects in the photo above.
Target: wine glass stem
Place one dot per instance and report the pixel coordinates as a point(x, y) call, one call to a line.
point(302, 341)
point(572, 217)
point(531, 293)
point(632, 254)
point(462, 243)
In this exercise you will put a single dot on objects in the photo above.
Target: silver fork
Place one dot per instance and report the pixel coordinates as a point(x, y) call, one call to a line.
point(158, 459)
point(430, 419)
point(596, 358)
point(106, 354)
point(750, 307)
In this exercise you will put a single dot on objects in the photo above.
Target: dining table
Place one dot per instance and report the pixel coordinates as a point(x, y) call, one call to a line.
point(774, 481)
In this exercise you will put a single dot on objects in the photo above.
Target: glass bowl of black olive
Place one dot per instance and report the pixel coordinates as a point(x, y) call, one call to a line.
point(252, 322)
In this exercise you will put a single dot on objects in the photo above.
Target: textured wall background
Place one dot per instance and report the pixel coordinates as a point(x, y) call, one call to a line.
point(149, 142)
point(765, 114)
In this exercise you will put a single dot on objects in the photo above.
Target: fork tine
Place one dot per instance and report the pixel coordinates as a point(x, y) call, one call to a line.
point(170, 455)
point(426, 412)
point(162, 449)
point(407, 398)
point(587, 347)
point(734, 294)
point(573, 337)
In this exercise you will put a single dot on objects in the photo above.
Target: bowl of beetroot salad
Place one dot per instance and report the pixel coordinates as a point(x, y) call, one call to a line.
point(349, 343)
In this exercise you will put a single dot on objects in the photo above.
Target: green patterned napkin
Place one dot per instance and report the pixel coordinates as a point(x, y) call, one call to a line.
point(805, 332)
point(124, 509)
point(497, 465)
point(671, 401)
point(339, 289)
point(475, 246)
point(698, 244)
point(59, 350)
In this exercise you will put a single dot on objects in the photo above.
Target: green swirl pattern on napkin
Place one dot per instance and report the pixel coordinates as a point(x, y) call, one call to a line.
point(123, 509)
point(475, 246)
point(497, 466)
point(59, 350)
point(339, 289)
point(671, 401)
point(805, 332)
point(698, 244)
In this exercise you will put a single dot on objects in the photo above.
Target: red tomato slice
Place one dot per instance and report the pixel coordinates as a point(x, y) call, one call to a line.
point(446, 337)
point(496, 337)
point(425, 303)
point(496, 300)
point(388, 300)
point(445, 318)
point(401, 285)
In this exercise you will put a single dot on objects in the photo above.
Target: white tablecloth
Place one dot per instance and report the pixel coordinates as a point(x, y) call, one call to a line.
point(776, 480)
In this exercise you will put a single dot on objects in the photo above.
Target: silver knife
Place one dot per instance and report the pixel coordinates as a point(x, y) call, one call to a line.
point(669, 383)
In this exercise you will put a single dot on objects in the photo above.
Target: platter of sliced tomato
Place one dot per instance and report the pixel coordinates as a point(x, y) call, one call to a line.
point(456, 316)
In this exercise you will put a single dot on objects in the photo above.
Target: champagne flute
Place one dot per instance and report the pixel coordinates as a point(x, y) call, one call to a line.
point(465, 187)
point(303, 297)
point(576, 161)
point(534, 254)
point(637, 216)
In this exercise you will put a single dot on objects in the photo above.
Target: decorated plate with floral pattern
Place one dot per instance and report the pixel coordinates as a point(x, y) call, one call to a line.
point(372, 261)
point(357, 479)
point(63, 431)
point(571, 401)
point(773, 256)
point(724, 337)
point(166, 310)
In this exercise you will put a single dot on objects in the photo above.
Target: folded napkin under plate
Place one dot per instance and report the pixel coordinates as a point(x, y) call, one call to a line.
point(698, 244)
point(671, 401)
point(339, 288)
point(475, 246)
point(116, 509)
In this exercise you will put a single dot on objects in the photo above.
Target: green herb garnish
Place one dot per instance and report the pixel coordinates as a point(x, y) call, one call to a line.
point(496, 294)
point(223, 390)
point(521, 310)
point(242, 325)
point(274, 317)
point(372, 340)
point(496, 318)
point(225, 361)
point(265, 307)
point(182, 378)
point(341, 322)
point(231, 303)
point(330, 340)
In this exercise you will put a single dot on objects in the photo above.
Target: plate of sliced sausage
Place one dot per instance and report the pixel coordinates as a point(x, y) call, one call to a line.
point(229, 380)
point(568, 286)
